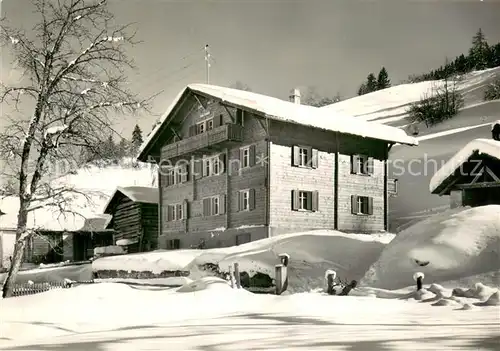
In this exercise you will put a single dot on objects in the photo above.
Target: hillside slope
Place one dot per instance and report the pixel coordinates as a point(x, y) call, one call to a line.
point(388, 106)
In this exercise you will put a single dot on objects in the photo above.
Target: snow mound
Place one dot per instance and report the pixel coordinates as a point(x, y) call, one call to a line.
point(311, 254)
point(479, 291)
point(493, 300)
point(204, 284)
point(457, 243)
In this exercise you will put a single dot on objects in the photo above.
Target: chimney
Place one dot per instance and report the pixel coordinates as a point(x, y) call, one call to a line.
point(295, 96)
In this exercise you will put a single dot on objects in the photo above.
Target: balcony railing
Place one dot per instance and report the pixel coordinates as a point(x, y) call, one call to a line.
point(392, 186)
point(227, 132)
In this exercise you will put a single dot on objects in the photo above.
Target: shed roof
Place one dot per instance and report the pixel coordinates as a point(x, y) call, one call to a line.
point(488, 147)
point(141, 194)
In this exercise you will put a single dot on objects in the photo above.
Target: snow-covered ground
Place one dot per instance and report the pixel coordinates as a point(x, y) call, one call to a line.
point(455, 244)
point(390, 105)
point(458, 249)
point(311, 254)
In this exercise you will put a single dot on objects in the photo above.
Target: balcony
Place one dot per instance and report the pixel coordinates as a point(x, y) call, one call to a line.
point(203, 141)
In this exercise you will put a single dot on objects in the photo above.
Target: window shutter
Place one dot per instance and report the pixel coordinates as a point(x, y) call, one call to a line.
point(206, 207)
point(197, 169)
point(240, 201)
point(295, 156)
point(204, 162)
point(185, 209)
point(370, 206)
point(192, 130)
point(220, 120)
point(167, 177)
point(315, 201)
point(239, 116)
point(354, 204)
point(369, 165)
point(184, 174)
point(251, 199)
point(295, 200)
point(314, 158)
point(252, 155)
point(179, 209)
point(222, 163)
point(354, 164)
point(222, 204)
point(241, 159)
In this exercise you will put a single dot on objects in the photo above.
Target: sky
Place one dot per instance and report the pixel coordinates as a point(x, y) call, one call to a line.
point(277, 45)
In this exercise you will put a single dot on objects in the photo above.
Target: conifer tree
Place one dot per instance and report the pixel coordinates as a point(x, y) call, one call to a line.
point(137, 137)
point(478, 53)
point(383, 80)
point(371, 83)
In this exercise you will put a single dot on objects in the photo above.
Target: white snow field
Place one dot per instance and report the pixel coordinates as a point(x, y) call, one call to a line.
point(453, 245)
point(207, 314)
point(389, 105)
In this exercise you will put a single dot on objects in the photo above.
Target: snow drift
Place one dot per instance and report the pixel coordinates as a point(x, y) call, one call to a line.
point(453, 245)
point(311, 254)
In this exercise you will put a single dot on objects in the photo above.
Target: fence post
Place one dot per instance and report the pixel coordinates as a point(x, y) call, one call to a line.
point(330, 276)
point(419, 277)
point(231, 276)
point(279, 279)
point(237, 275)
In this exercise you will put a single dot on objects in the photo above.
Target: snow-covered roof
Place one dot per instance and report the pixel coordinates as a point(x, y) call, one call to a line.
point(143, 194)
point(289, 112)
point(488, 147)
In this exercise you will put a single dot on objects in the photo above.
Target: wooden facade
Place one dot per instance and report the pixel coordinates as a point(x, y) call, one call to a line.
point(49, 246)
point(134, 212)
point(476, 182)
point(230, 175)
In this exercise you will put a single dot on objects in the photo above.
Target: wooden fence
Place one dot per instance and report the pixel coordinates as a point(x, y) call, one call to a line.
point(36, 288)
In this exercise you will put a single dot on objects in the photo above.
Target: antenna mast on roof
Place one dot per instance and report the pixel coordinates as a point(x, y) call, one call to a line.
point(207, 61)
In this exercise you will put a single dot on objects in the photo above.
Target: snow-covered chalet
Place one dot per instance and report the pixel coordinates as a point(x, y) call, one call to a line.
point(237, 166)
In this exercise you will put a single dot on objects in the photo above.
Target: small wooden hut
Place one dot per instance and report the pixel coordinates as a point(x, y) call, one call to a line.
point(472, 176)
point(134, 212)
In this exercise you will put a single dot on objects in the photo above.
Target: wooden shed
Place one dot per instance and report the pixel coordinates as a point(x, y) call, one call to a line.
point(134, 212)
point(472, 176)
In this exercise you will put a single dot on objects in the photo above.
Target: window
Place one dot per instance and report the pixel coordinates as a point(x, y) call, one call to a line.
point(361, 164)
point(362, 205)
point(177, 175)
point(303, 200)
point(245, 197)
point(175, 212)
point(245, 157)
point(246, 200)
point(200, 128)
point(303, 159)
point(214, 205)
point(203, 126)
point(304, 204)
point(304, 156)
point(174, 244)
point(213, 165)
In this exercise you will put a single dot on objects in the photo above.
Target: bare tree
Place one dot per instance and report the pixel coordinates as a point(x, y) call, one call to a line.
point(313, 98)
point(240, 86)
point(74, 64)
